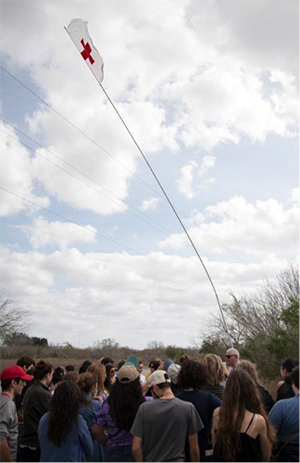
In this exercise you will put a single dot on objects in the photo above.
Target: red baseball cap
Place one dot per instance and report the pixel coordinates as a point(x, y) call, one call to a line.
point(15, 372)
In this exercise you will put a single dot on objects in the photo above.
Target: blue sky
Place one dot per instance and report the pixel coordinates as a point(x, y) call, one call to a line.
point(213, 105)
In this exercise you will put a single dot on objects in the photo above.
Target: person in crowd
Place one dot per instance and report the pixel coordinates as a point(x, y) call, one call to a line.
point(173, 372)
point(161, 427)
point(284, 416)
point(165, 364)
point(110, 376)
point(13, 379)
point(71, 376)
point(25, 362)
point(70, 368)
point(216, 374)
point(265, 396)
point(232, 358)
point(84, 366)
point(153, 366)
point(106, 360)
point(120, 364)
point(36, 403)
point(240, 430)
point(57, 377)
point(99, 371)
point(183, 359)
point(140, 370)
point(192, 377)
point(117, 414)
point(132, 360)
point(28, 364)
point(285, 390)
point(87, 383)
point(63, 433)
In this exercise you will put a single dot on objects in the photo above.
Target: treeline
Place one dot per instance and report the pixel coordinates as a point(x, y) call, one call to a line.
point(264, 325)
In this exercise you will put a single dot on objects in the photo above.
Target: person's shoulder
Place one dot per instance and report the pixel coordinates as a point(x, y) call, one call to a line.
point(260, 422)
point(216, 412)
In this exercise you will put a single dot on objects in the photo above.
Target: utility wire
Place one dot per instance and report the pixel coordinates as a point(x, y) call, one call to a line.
point(109, 154)
point(89, 186)
point(95, 232)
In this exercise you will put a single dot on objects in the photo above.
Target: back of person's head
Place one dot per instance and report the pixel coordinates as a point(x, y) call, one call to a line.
point(41, 369)
point(69, 368)
point(58, 375)
point(26, 362)
point(216, 371)
point(71, 376)
point(240, 394)
point(250, 368)
point(289, 364)
point(100, 372)
point(183, 359)
point(84, 366)
point(120, 364)
point(192, 375)
point(295, 376)
point(64, 411)
point(106, 360)
point(125, 397)
point(86, 382)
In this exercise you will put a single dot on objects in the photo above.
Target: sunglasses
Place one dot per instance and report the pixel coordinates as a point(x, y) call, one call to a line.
point(228, 356)
point(112, 371)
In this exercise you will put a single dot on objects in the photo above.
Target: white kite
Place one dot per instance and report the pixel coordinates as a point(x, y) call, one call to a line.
point(78, 31)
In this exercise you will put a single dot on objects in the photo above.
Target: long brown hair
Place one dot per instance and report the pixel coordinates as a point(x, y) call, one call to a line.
point(240, 395)
point(64, 411)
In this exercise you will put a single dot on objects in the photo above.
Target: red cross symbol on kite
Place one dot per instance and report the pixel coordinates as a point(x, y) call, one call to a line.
point(86, 53)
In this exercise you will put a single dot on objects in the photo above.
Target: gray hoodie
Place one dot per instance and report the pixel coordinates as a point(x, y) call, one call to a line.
point(9, 424)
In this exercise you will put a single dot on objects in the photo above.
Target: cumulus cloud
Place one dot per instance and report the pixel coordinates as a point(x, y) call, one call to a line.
point(187, 185)
point(149, 204)
point(17, 175)
point(256, 230)
point(43, 233)
point(118, 291)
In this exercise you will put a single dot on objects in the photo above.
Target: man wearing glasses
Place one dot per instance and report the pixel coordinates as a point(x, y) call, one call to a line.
point(232, 358)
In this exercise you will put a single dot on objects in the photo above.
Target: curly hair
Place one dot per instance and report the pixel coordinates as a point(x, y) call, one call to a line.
point(216, 372)
point(192, 374)
point(240, 395)
point(124, 401)
point(64, 411)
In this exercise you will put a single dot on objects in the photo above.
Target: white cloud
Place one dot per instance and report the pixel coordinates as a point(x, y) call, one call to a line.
point(43, 233)
point(185, 181)
point(17, 175)
point(256, 230)
point(187, 186)
point(116, 292)
point(295, 195)
point(149, 204)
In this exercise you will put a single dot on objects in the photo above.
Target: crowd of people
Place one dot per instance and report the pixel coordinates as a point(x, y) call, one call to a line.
point(197, 410)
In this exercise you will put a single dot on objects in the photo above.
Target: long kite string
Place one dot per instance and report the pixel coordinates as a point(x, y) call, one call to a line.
point(174, 210)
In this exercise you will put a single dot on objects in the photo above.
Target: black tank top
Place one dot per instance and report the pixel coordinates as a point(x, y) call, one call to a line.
point(248, 448)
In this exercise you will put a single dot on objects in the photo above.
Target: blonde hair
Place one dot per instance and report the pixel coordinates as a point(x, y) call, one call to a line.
point(250, 368)
point(99, 371)
point(216, 371)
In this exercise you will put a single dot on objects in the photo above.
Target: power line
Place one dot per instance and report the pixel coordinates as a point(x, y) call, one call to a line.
point(82, 181)
point(123, 165)
point(94, 232)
